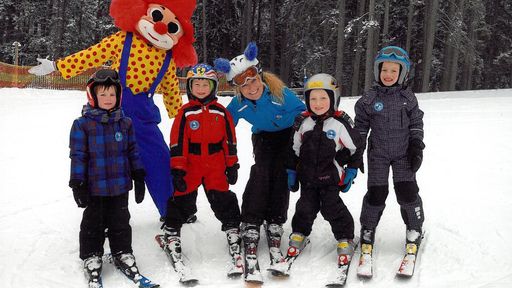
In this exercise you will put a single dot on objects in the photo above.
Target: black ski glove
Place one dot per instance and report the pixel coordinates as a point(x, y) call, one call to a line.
point(232, 173)
point(80, 192)
point(178, 181)
point(342, 157)
point(139, 185)
point(415, 153)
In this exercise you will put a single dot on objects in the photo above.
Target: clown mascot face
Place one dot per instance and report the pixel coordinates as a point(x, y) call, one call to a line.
point(155, 37)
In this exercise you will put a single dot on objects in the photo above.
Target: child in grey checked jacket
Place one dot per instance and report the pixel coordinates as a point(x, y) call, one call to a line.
point(390, 111)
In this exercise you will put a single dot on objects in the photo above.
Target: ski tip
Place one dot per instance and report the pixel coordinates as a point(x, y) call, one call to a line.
point(160, 240)
point(334, 285)
point(253, 283)
point(235, 275)
point(364, 276)
point(189, 282)
point(404, 276)
point(278, 273)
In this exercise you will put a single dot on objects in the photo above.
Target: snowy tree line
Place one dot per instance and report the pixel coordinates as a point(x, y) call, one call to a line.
point(454, 44)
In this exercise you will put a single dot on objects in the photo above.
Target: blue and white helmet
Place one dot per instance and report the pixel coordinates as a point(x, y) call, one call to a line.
point(238, 64)
point(392, 54)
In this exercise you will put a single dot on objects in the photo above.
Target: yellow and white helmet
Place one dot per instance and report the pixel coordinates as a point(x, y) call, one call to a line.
point(326, 82)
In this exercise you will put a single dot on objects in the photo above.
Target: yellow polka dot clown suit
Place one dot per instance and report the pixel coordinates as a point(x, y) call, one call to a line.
point(156, 37)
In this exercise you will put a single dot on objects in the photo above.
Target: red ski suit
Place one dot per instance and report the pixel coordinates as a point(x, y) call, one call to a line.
point(203, 144)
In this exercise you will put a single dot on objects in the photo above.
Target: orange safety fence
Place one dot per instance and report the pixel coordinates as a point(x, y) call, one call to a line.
point(18, 76)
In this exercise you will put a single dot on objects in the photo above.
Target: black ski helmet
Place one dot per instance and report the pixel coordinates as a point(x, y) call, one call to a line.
point(106, 77)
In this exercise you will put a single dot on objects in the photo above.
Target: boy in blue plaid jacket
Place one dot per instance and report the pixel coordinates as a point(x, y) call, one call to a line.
point(104, 161)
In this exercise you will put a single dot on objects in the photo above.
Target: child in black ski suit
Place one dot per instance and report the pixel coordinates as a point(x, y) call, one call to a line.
point(104, 162)
point(390, 111)
point(325, 159)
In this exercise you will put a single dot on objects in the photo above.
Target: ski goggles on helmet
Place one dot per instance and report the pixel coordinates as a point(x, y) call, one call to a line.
point(242, 78)
point(104, 75)
point(397, 52)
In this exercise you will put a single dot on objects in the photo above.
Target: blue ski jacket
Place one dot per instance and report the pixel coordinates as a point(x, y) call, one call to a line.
point(103, 151)
point(266, 114)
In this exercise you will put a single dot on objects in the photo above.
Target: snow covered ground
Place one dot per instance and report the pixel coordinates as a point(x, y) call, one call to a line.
point(464, 182)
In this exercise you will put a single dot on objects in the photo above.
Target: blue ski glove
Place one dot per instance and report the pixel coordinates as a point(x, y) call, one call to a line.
point(293, 183)
point(350, 175)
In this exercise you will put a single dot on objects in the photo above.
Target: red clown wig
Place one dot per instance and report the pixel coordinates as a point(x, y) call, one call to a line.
point(127, 13)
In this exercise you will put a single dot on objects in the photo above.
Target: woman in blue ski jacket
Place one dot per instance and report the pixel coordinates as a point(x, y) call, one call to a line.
point(270, 107)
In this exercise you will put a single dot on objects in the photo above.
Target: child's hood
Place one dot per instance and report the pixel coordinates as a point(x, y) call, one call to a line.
point(101, 115)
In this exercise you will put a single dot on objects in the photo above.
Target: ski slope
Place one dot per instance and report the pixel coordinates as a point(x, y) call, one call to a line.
point(464, 182)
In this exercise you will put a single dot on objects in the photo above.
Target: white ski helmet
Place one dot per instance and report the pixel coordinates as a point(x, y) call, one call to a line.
point(239, 64)
point(326, 82)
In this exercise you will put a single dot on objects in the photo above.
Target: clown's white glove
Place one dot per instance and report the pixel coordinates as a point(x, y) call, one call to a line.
point(46, 67)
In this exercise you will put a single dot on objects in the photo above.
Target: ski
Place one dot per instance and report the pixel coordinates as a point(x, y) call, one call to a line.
point(344, 260)
point(140, 280)
point(184, 272)
point(408, 263)
point(365, 267)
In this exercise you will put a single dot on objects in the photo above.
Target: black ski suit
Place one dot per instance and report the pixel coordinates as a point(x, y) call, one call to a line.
point(316, 142)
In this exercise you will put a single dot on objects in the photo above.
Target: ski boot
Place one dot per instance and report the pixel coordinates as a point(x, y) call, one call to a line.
point(413, 239)
point(274, 233)
point(251, 237)
point(298, 242)
point(171, 244)
point(125, 262)
point(92, 271)
point(365, 268)
point(345, 249)
point(412, 244)
point(172, 241)
point(234, 242)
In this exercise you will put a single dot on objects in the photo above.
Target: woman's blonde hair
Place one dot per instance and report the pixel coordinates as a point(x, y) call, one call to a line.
point(274, 84)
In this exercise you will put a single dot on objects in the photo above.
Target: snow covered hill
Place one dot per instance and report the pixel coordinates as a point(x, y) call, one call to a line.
point(464, 182)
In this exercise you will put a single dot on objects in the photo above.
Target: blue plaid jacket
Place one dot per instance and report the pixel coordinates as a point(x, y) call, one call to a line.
point(103, 151)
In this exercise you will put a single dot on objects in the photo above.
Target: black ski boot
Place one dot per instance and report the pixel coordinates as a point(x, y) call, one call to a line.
point(92, 271)
point(125, 262)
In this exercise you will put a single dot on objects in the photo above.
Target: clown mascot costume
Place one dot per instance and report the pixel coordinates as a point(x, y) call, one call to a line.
point(155, 37)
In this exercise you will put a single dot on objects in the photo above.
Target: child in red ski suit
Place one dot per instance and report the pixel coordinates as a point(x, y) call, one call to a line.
point(203, 151)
